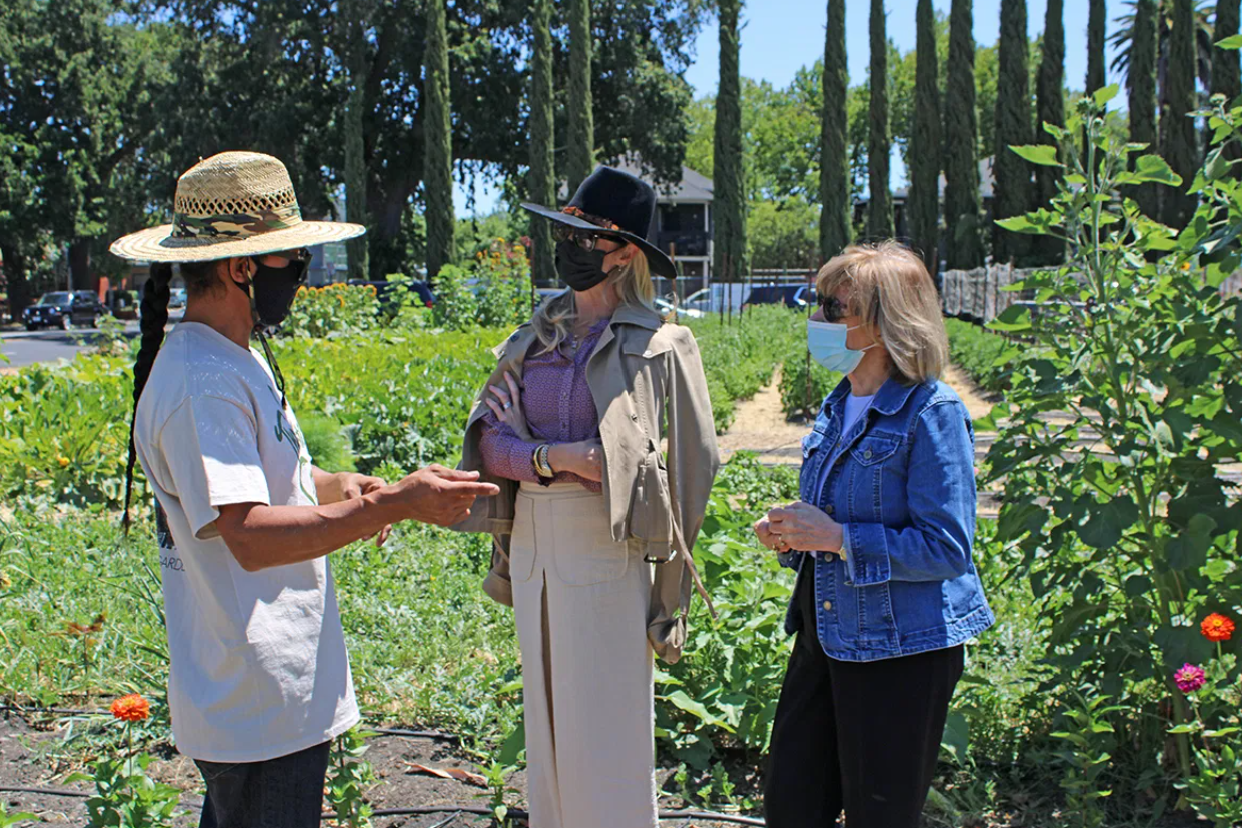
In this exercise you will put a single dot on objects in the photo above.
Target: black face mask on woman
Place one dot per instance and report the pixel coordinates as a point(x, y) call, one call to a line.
point(272, 290)
point(578, 268)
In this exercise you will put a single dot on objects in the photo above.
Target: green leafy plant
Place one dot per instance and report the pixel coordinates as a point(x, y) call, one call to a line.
point(332, 310)
point(497, 775)
point(328, 443)
point(349, 777)
point(456, 307)
point(1124, 401)
point(7, 819)
point(1089, 737)
point(980, 353)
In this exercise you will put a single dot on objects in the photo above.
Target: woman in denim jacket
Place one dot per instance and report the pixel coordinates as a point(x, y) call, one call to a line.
point(887, 592)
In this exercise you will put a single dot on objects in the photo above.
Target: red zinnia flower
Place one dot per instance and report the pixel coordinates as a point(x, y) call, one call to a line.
point(1217, 627)
point(131, 708)
point(1190, 678)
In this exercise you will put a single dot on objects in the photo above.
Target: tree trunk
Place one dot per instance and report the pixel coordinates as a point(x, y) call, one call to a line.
point(580, 155)
point(16, 280)
point(964, 249)
point(1226, 72)
point(355, 155)
point(542, 162)
point(80, 277)
point(1143, 98)
point(438, 143)
point(880, 206)
point(730, 206)
point(1050, 109)
point(1181, 149)
point(1097, 27)
point(1013, 128)
point(834, 181)
point(924, 202)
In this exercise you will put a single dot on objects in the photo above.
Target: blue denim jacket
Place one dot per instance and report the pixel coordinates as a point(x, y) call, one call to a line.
point(901, 483)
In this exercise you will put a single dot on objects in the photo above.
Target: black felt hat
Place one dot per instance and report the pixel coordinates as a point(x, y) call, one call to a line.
point(614, 203)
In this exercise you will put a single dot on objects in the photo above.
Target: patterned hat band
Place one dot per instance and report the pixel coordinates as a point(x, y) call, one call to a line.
point(236, 225)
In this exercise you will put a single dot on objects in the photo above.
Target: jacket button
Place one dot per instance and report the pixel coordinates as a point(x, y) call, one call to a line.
point(827, 606)
point(867, 454)
point(828, 509)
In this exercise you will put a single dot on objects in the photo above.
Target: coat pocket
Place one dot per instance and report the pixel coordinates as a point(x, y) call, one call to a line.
point(522, 542)
point(651, 511)
point(584, 551)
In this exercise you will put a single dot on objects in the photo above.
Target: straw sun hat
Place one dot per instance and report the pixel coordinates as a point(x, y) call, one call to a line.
point(232, 204)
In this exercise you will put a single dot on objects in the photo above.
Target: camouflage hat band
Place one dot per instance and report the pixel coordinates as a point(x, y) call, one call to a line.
point(236, 225)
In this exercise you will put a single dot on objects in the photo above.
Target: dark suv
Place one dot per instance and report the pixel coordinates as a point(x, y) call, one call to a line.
point(62, 309)
point(791, 296)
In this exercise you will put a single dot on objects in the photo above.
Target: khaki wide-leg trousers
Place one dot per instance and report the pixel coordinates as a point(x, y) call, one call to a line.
point(580, 601)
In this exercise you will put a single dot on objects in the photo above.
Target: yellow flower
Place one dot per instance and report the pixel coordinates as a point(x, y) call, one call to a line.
point(63, 461)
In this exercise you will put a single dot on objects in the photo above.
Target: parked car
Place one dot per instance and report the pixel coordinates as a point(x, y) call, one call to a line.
point(791, 296)
point(62, 309)
point(123, 304)
point(666, 308)
point(176, 299)
point(716, 298)
point(386, 297)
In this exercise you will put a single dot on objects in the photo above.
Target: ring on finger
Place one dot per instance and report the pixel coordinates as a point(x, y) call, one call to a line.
point(507, 405)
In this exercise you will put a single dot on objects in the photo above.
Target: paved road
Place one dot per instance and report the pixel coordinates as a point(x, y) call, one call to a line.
point(27, 348)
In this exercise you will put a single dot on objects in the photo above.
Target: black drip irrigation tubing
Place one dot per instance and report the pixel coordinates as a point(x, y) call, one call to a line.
point(381, 731)
point(433, 809)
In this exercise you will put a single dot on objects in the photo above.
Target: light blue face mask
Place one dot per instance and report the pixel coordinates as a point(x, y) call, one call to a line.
point(826, 341)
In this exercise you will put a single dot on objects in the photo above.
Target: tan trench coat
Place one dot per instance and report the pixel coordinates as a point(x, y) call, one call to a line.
point(647, 381)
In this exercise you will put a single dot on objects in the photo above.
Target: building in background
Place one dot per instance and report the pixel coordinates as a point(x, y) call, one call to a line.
point(684, 228)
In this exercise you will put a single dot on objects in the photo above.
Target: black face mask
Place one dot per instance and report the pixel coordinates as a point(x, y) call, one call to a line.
point(273, 289)
point(578, 268)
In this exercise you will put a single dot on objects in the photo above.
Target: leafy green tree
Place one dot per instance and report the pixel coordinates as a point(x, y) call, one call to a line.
point(542, 186)
point(730, 204)
point(1013, 128)
point(438, 160)
point(880, 205)
point(1141, 78)
point(783, 234)
point(580, 155)
point(961, 138)
point(1050, 109)
point(903, 98)
point(925, 144)
point(357, 14)
point(1179, 137)
point(1123, 41)
point(834, 187)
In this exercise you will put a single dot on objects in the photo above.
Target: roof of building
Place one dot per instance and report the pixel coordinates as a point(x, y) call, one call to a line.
point(694, 186)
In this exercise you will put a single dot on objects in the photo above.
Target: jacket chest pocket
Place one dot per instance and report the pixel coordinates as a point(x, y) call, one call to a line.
point(873, 465)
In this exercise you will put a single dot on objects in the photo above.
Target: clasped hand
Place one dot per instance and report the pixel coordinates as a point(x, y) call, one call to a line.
point(584, 459)
point(799, 526)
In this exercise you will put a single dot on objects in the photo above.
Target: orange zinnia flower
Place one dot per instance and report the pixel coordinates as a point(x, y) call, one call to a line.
point(1217, 627)
point(131, 708)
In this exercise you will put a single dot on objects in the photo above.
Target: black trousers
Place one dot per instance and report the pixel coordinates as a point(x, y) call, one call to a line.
point(286, 792)
point(862, 737)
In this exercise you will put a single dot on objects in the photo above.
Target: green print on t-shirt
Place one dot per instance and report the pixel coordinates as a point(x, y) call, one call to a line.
point(283, 429)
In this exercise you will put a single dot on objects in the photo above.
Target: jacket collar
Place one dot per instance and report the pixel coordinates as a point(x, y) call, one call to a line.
point(637, 315)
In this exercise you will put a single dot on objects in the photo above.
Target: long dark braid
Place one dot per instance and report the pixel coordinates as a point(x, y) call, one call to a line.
point(155, 295)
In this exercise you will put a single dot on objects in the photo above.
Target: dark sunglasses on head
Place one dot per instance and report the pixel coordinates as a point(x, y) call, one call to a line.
point(585, 239)
point(832, 309)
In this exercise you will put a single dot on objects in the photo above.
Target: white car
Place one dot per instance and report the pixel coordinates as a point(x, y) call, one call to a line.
point(666, 308)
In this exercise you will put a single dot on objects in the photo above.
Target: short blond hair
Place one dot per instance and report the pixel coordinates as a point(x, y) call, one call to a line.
point(890, 288)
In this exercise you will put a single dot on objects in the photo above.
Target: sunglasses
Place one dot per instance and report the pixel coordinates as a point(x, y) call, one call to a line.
point(585, 239)
point(832, 309)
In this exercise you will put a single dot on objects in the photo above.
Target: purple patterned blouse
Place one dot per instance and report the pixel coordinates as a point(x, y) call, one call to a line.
point(558, 408)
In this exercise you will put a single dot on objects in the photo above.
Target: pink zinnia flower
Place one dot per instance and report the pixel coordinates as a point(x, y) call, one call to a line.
point(1190, 678)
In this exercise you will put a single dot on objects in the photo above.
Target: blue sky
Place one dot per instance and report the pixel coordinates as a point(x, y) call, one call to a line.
point(781, 36)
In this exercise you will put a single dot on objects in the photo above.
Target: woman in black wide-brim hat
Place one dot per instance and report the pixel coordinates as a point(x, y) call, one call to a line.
point(594, 524)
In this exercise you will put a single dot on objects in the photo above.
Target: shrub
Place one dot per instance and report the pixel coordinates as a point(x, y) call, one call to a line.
point(983, 355)
point(331, 310)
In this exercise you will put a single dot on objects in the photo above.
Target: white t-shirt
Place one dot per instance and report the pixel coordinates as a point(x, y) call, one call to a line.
point(258, 662)
point(854, 408)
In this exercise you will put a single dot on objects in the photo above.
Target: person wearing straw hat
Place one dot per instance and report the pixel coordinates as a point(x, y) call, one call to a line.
point(259, 680)
point(596, 521)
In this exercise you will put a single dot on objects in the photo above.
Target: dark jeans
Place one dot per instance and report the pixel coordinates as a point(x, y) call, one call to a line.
point(286, 792)
point(858, 736)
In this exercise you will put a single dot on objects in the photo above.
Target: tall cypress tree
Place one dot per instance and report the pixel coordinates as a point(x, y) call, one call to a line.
point(730, 203)
point(964, 248)
point(355, 151)
point(580, 160)
point(834, 183)
point(1181, 145)
point(925, 141)
point(438, 142)
point(1097, 77)
point(1142, 100)
point(880, 207)
point(1013, 128)
point(542, 167)
point(1050, 109)
point(1226, 72)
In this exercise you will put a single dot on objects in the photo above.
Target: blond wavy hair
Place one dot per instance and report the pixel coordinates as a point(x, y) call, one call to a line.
point(890, 288)
point(554, 319)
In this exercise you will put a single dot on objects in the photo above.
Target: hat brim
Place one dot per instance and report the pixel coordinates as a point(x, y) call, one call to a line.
point(658, 260)
point(156, 244)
